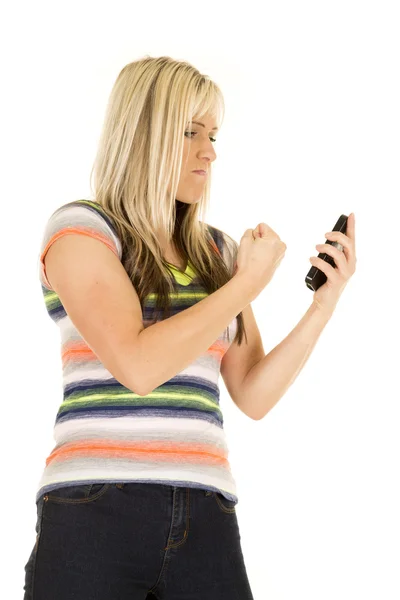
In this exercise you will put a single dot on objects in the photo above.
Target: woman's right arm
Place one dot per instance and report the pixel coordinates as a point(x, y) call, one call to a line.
point(101, 301)
point(169, 346)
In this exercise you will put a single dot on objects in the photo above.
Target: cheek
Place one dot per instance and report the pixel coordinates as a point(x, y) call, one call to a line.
point(186, 158)
point(186, 150)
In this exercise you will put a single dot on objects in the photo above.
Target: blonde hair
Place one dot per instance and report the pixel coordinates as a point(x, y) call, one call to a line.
point(137, 169)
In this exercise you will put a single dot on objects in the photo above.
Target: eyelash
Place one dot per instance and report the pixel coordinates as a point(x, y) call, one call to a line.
point(195, 132)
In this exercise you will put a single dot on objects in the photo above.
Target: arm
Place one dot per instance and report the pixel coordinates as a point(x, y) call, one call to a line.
point(268, 380)
point(169, 346)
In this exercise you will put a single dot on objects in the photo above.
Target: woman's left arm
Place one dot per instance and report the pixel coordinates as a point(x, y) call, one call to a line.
point(268, 380)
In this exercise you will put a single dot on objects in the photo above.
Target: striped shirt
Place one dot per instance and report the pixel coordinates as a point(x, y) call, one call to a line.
point(103, 430)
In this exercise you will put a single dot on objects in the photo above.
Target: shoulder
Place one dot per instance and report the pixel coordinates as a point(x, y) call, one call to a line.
point(223, 238)
point(82, 211)
point(82, 217)
point(227, 245)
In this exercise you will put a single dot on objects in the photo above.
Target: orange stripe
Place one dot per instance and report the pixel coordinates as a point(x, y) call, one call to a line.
point(214, 245)
point(74, 351)
point(70, 230)
point(135, 450)
point(217, 349)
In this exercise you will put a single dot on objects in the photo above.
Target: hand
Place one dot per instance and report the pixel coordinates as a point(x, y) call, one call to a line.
point(328, 294)
point(259, 254)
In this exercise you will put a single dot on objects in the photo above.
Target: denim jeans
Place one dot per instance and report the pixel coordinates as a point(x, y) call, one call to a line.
point(136, 541)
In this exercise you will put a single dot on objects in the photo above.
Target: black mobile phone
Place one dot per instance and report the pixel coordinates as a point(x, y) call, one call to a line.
point(315, 277)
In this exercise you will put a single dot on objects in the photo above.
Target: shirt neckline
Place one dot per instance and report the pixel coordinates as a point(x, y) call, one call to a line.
point(185, 277)
point(176, 268)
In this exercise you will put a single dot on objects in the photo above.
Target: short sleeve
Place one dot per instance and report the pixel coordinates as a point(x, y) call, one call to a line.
point(229, 252)
point(83, 217)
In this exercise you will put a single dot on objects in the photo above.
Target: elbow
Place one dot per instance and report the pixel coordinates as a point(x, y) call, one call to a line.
point(137, 386)
point(142, 385)
point(256, 417)
point(134, 384)
point(142, 394)
point(141, 390)
point(259, 417)
point(135, 375)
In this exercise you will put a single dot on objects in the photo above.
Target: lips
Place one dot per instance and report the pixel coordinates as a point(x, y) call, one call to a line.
point(200, 172)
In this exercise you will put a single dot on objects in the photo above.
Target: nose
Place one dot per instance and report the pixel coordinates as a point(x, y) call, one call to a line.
point(207, 158)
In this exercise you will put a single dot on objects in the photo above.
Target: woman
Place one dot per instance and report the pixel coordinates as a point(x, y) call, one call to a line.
point(137, 499)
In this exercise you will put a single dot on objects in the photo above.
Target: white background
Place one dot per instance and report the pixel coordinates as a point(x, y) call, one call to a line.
point(311, 131)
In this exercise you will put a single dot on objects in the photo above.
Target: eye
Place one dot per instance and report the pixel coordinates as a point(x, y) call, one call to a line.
point(195, 133)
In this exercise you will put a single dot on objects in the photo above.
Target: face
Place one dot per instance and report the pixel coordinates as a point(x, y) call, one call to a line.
point(198, 153)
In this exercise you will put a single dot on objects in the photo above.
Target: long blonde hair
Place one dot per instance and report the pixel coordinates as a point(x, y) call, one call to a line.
point(139, 157)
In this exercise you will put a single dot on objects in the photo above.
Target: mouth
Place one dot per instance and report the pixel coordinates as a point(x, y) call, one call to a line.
point(202, 173)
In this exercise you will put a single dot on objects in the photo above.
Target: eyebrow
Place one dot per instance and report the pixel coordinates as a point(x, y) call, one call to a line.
point(202, 124)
